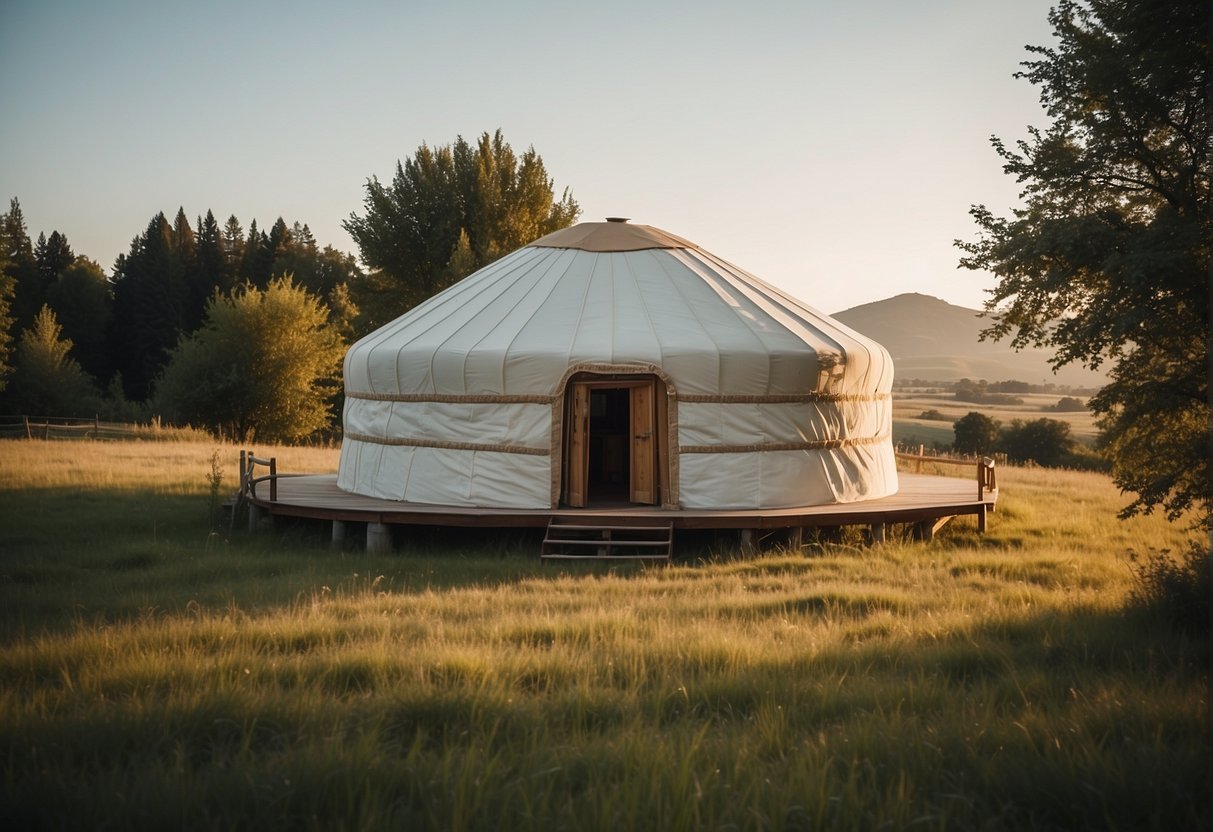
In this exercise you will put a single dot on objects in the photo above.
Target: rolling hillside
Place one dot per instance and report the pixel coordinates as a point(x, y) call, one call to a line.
point(931, 339)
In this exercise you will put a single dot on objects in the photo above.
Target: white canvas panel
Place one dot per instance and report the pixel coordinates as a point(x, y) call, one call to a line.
point(713, 423)
point(522, 424)
point(362, 470)
point(782, 479)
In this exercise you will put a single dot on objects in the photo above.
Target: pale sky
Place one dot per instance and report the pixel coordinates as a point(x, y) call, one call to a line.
point(831, 147)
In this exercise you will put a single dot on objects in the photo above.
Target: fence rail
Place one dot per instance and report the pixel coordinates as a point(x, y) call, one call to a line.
point(57, 427)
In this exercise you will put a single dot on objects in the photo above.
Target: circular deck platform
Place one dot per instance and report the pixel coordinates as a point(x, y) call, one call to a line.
point(921, 498)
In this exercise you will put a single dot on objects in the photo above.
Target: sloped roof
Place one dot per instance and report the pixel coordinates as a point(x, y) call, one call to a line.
point(619, 294)
point(616, 234)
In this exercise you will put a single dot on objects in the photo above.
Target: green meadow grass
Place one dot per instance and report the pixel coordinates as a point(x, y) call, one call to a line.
point(157, 671)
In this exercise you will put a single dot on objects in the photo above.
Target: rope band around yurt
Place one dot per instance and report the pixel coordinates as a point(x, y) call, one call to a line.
point(757, 447)
point(686, 398)
point(447, 446)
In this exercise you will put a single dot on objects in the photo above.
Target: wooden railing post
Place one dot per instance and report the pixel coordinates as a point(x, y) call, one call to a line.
point(273, 479)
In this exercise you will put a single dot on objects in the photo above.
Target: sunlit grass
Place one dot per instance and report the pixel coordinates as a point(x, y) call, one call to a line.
point(158, 672)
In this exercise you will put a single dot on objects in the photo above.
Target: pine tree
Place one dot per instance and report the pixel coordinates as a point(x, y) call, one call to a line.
point(48, 381)
point(150, 307)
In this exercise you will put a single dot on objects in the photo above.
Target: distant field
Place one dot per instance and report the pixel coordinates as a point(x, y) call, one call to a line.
point(907, 407)
point(158, 672)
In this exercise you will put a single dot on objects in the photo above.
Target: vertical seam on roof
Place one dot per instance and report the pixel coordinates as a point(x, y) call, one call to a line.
point(681, 294)
point(561, 255)
point(581, 312)
point(776, 303)
point(535, 280)
point(496, 282)
point(446, 299)
point(790, 300)
point(644, 307)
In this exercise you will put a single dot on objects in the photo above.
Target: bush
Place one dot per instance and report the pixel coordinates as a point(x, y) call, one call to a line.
point(1173, 589)
point(1047, 442)
point(1068, 404)
point(933, 416)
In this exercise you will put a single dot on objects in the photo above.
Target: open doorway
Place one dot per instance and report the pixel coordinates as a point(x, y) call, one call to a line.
point(613, 450)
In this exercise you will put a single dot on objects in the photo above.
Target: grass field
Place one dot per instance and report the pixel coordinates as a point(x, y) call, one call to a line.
point(158, 672)
point(908, 405)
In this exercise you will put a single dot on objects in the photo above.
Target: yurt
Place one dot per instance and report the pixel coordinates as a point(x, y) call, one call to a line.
point(613, 364)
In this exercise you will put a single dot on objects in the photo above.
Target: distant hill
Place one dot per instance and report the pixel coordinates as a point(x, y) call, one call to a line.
point(931, 339)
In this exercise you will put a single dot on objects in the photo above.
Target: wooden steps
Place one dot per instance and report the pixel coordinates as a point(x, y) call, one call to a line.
point(578, 539)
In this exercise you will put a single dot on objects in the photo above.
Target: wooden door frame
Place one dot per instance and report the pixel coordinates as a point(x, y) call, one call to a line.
point(616, 379)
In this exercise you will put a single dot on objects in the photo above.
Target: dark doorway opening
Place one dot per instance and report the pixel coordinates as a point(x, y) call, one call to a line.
point(609, 472)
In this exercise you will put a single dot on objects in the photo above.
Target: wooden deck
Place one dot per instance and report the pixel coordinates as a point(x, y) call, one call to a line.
point(927, 501)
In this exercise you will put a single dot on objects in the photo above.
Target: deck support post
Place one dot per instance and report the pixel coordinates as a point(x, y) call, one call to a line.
point(877, 533)
point(378, 538)
point(981, 519)
point(746, 538)
point(338, 535)
point(254, 517)
point(924, 530)
point(795, 538)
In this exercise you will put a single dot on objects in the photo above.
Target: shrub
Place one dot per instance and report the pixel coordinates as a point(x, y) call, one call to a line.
point(1068, 404)
point(1173, 589)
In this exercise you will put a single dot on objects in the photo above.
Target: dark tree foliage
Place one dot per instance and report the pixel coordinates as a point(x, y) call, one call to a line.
point(82, 301)
point(1108, 257)
point(975, 433)
point(151, 307)
point(448, 211)
point(1045, 442)
point(21, 268)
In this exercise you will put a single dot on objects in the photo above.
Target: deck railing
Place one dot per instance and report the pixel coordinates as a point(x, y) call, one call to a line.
point(986, 478)
point(248, 475)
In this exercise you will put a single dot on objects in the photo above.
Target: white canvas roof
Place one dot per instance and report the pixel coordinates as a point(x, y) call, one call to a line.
point(461, 400)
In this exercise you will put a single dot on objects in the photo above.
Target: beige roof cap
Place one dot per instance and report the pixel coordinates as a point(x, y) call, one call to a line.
point(616, 234)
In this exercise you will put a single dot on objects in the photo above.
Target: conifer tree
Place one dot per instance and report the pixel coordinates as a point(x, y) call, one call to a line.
point(47, 380)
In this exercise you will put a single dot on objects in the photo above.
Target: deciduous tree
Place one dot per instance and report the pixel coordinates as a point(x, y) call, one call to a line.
point(975, 433)
point(448, 211)
point(265, 364)
point(1107, 259)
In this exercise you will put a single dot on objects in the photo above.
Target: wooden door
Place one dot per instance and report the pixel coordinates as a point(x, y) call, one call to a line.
point(643, 487)
point(577, 463)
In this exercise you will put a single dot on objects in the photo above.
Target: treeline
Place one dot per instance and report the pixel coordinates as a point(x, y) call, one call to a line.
point(242, 330)
point(1044, 442)
point(80, 342)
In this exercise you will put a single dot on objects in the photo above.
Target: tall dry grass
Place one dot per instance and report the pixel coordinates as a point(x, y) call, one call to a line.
point(156, 673)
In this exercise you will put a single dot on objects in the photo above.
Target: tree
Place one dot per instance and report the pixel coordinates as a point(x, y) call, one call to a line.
point(447, 212)
point(48, 381)
point(7, 285)
point(20, 267)
point(265, 364)
point(1046, 442)
point(83, 304)
point(1108, 257)
point(975, 433)
point(151, 307)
